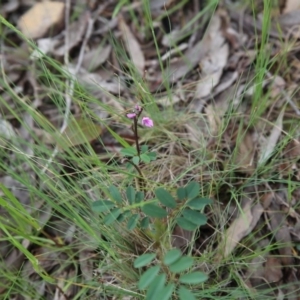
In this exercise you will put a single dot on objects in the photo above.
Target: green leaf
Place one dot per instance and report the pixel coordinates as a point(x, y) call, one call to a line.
point(186, 224)
point(153, 210)
point(129, 151)
point(172, 256)
point(145, 158)
point(194, 217)
point(185, 294)
point(182, 264)
point(152, 155)
point(165, 198)
point(193, 278)
point(133, 221)
point(136, 160)
point(199, 203)
point(115, 194)
point(148, 277)
point(124, 215)
point(167, 291)
point(155, 288)
point(79, 131)
point(112, 216)
point(144, 148)
point(181, 193)
point(145, 223)
point(144, 260)
point(193, 190)
point(130, 193)
point(102, 205)
point(139, 197)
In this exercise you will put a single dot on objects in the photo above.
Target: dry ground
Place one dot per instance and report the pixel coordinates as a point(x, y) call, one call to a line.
point(220, 79)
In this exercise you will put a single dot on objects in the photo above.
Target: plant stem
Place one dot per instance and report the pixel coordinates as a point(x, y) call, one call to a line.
point(136, 137)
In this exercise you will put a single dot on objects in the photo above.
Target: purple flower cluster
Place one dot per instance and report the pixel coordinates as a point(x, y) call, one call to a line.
point(146, 121)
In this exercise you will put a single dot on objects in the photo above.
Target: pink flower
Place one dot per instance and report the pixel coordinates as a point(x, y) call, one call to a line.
point(147, 122)
point(131, 115)
point(138, 108)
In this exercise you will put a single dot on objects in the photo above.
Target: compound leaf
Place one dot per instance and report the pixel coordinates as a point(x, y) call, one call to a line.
point(193, 190)
point(185, 294)
point(182, 264)
point(172, 256)
point(144, 260)
point(186, 224)
point(199, 203)
point(102, 205)
point(115, 194)
point(193, 278)
point(194, 217)
point(153, 210)
point(133, 221)
point(165, 198)
point(112, 216)
point(130, 193)
point(148, 277)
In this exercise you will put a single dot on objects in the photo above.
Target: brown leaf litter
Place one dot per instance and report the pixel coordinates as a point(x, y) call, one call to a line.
point(249, 167)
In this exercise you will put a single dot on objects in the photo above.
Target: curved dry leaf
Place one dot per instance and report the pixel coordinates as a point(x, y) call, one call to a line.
point(76, 32)
point(272, 140)
point(79, 131)
point(291, 5)
point(198, 52)
point(239, 228)
point(40, 18)
point(132, 46)
point(245, 154)
point(213, 63)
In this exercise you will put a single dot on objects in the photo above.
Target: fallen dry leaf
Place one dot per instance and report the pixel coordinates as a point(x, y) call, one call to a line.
point(282, 233)
point(96, 57)
point(273, 269)
point(76, 32)
point(37, 21)
point(245, 153)
point(132, 46)
point(213, 63)
point(79, 131)
point(239, 228)
point(271, 142)
point(291, 5)
point(181, 237)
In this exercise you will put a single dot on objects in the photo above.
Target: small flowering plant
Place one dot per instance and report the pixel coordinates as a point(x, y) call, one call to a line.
point(138, 153)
